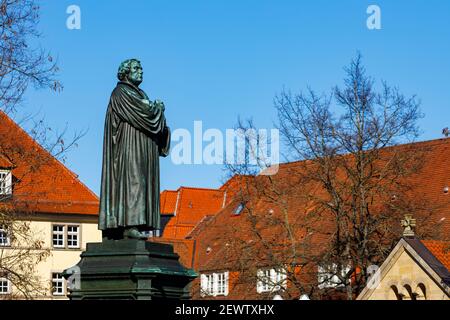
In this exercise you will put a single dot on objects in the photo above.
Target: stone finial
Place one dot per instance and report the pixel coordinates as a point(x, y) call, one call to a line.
point(409, 223)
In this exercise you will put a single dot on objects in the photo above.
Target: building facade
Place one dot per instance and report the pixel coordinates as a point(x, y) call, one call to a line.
point(46, 217)
point(261, 245)
point(415, 270)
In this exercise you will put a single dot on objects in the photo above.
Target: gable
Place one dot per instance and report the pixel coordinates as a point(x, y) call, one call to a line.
point(405, 272)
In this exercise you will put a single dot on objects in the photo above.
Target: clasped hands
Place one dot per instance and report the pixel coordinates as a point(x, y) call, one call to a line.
point(156, 103)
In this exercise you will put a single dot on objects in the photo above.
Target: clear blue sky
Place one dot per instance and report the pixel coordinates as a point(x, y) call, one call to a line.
point(216, 60)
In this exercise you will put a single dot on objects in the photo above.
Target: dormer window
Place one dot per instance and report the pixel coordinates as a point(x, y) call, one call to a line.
point(5, 182)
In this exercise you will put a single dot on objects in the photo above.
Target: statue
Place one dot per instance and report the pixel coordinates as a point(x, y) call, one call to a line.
point(136, 135)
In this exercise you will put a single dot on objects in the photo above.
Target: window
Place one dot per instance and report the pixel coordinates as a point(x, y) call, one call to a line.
point(209, 289)
point(328, 276)
point(58, 236)
point(264, 280)
point(73, 235)
point(239, 209)
point(66, 236)
point(5, 182)
point(57, 284)
point(269, 280)
point(221, 284)
point(5, 286)
point(5, 240)
point(214, 284)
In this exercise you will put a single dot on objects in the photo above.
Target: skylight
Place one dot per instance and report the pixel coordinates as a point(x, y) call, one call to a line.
point(239, 209)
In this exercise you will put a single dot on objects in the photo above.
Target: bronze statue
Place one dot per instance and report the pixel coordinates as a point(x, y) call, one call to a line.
point(136, 135)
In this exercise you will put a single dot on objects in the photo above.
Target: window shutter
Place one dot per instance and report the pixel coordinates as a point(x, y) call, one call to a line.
point(283, 278)
point(215, 284)
point(203, 284)
point(9, 183)
point(227, 277)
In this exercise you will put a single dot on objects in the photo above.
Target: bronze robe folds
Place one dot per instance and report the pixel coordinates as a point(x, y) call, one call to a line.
point(135, 136)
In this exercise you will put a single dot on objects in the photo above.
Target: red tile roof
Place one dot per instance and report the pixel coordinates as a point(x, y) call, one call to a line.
point(42, 183)
point(440, 249)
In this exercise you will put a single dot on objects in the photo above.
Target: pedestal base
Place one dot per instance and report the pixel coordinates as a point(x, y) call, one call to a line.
point(129, 269)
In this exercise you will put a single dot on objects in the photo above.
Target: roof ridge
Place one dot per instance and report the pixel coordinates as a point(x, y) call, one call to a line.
point(200, 189)
point(198, 225)
point(430, 142)
point(63, 202)
point(446, 242)
point(428, 257)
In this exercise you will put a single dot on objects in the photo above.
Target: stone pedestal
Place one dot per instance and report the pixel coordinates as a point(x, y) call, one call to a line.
point(129, 269)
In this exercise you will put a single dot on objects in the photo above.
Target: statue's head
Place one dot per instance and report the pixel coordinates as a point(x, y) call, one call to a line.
point(131, 70)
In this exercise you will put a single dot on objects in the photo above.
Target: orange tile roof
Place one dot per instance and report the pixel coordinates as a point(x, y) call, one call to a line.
point(427, 186)
point(168, 201)
point(191, 206)
point(183, 247)
point(440, 249)
point(199, 227)
point(42, 183)
point(5, 162)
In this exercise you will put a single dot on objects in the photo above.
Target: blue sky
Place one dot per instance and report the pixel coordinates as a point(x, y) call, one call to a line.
point(216, 60)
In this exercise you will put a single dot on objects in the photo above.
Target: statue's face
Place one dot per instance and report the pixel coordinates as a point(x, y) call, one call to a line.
point(136, 73)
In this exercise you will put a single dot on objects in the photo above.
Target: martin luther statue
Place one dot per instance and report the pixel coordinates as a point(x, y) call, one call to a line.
point(136, 135)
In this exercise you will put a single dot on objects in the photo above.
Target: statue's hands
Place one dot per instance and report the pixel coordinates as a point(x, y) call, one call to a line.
point(160, 104)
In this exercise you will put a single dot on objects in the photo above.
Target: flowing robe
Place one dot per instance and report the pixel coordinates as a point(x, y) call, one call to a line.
point(135, 136)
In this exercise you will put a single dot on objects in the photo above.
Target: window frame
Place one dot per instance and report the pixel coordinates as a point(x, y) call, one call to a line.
point(63, 233)
point(221, 284)
point(71, 233)
point(271, 279)
point(65, 236)
point(57, 280)
point(6, 236)
point(8, 286)
point(327, 277)
point(209, 284)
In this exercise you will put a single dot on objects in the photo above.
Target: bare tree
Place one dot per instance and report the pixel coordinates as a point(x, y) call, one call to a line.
point(327, 218)
point(19, 262)
point(23, 64)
